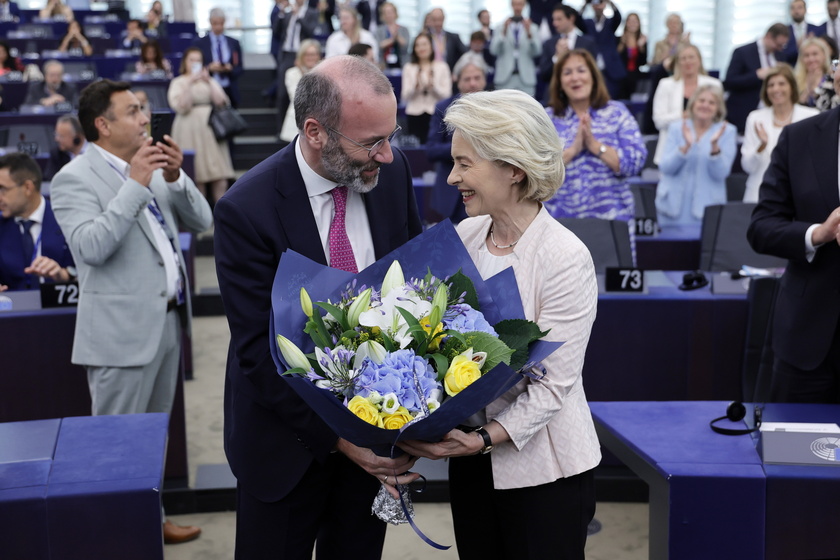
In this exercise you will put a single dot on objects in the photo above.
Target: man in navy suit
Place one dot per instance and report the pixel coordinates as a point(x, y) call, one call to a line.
point(369, 12)
point(747, 68)
point(9, 11)
point(447, 45)
point(222, 55)
point(566, 38)
point(602, 29)
point(798, 218)
point(297, 482)
point(831, 27)
point(31, 244)
point(799, 31)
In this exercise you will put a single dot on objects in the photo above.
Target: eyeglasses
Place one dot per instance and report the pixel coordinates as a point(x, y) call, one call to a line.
point(373, 149)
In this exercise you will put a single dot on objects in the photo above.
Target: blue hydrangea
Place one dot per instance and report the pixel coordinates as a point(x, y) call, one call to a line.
point(394, 375)
point(463, 318)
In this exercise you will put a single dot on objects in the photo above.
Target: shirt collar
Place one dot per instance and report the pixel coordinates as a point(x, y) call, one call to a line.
point(315, 184)
point(37, 215)
point(118, 163)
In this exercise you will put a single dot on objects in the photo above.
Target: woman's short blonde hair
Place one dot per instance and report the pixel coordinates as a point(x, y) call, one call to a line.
point(510, 127)
point(715, 90)
point(305, 45)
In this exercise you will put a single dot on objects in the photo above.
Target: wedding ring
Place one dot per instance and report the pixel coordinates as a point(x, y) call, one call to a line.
point(385, 480)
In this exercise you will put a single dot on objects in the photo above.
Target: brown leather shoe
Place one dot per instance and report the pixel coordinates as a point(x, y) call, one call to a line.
point(174, 534)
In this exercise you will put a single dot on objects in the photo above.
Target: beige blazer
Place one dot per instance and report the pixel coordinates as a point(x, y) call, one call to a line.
point(549, 422)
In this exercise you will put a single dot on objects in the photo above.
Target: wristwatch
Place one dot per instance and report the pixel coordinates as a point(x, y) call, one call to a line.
point(488, 443)
point(602, 150)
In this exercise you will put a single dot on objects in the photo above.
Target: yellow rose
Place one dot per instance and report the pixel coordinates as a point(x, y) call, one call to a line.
point(398, 419)
point(425, 323)
point(363, 408)
point(461, 373)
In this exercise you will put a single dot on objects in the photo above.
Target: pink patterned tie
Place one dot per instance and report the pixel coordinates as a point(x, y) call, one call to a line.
point(341, 253)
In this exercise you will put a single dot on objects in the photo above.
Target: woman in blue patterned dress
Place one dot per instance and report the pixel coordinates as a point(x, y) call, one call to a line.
point(601, 139)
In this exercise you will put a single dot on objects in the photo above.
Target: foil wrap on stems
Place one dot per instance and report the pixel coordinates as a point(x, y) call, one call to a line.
point(389, 509)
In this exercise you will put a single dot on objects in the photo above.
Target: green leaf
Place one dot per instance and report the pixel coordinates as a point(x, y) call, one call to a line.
point(337, 314)
point(459, 284)
point(441, 364)
point(497, 351)
point(518, 334)
point(294, 371)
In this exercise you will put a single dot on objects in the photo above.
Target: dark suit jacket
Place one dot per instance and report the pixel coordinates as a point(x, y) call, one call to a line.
point(791, 50)
point(743, 85)
point(14, 10)
point(38, 91)
point(800, 189)
point(205, 45)
point(12, 261)
point(363, 7)
point(307, 26)
point(549, 48)
point(542, 9)
point(58, 159)
point(454, 48)
point(271, 435)
point(606, 40)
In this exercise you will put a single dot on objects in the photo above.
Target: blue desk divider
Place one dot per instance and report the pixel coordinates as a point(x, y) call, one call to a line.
point(82, 488)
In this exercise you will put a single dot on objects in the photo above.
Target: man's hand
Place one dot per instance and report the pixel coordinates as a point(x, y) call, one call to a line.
point(3, 288)
point(388, 471)
point(454, 444)
point(45, 267)
point(762, 72)
point(147, 159)
point(828, 230)
point(175, 158)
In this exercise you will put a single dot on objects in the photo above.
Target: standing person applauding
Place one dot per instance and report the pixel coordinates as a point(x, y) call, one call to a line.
point(425, 82)
point(528, 467)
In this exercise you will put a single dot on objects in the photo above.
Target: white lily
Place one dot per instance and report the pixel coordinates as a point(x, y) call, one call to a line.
point(393, 278)
point(386, 317)
point(293, 355)
point(369, 349)
point(359, 305)
point(305, 302)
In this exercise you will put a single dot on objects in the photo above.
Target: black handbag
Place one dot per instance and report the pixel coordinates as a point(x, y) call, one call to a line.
point(226, 122)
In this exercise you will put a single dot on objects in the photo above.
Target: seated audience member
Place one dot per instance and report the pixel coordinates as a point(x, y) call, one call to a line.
point(308, 56)
point(133, 37)
point(155, 22)
point(8, 63)
point(69, 143)
point(392, 38)
point(470, 76)
point(151, 60)
point(56, 9)
point(813, 70)
point(53, 89)
point(672, 93)
point(349, 32)
point(697, 158)
point(425, 81)
point(764, 126)
point(75, 41)
point(9, 11)
point(632, 48)
point(32, 248)
point(363, 50)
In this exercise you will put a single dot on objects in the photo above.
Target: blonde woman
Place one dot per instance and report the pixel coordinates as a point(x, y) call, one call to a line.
point(672, 94)
point(665, 51)
point(349, 33)
point(308, 56)
point(535, 489)
point(813, 69)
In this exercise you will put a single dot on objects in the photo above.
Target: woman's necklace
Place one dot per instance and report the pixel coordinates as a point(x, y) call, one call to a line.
point(493, 241)
point(783, 122)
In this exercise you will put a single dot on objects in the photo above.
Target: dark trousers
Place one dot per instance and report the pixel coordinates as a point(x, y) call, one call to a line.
point(418, 125)
point(538, 522)
point(331, 504)
point(820, 385)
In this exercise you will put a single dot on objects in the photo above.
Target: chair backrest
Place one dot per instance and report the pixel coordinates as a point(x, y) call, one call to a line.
point(41, 134)
point(723, 239)
point(736, 184)
point(607, 240)
point(644, 198)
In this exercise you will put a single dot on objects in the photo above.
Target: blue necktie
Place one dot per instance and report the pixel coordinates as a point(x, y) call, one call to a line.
point(28, 248)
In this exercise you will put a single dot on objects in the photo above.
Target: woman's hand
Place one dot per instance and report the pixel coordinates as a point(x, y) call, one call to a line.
point(716, 138)
point(762, 135)
point(454, 444)
point(689, 139)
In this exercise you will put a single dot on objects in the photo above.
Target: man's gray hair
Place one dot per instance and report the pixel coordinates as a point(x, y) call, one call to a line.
point(319, 93)
point(469, 59)
point(217, 13)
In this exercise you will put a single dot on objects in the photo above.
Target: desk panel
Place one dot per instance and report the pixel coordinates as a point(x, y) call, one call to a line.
point(673, 248)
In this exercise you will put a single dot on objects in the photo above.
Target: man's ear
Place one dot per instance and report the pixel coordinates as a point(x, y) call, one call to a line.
point(314, 134)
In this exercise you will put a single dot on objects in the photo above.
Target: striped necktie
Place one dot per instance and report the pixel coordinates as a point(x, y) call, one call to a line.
point(341, 253)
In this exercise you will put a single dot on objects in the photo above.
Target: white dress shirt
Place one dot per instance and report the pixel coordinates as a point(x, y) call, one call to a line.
point(355, 219)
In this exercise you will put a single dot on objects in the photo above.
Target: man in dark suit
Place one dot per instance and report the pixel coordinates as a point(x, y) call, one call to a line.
point(470, 76)
point(369, 12)
point(297, 481)
point(747, 68)
point(799, 31)
point(290, 28)
point(222, 55)
point(31, 244)
point(566, 37)
point(69, 143)
point(831, 27)
point(798, 218)
point(9, 11)
point(602, 29)
point(53, 89)
point(447, 45)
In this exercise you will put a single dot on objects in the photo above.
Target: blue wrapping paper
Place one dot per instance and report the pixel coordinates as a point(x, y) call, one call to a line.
point(438, 249)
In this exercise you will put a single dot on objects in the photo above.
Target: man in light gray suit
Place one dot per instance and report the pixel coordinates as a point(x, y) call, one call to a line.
point(515, 44)
point(120, 205)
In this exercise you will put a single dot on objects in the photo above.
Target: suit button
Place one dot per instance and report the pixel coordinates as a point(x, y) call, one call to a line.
point(163, 293)
point(160, 263)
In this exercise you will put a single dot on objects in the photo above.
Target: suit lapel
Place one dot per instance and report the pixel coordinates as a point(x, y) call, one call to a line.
point(294, 212)
point(824, 146)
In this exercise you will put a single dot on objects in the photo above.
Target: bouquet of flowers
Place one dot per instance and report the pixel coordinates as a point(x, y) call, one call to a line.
point(376, 353)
